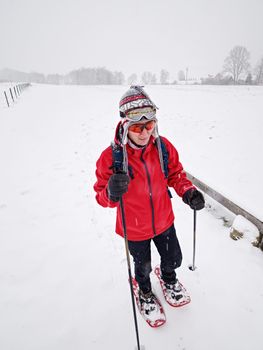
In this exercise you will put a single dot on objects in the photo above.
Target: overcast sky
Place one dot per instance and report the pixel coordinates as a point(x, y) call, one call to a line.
point(56, 36)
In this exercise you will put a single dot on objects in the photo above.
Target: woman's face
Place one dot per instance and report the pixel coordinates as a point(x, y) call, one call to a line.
point(141, 132)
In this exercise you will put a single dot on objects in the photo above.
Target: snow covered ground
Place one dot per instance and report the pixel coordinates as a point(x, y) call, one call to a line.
point(218, 131)
point(63, 273)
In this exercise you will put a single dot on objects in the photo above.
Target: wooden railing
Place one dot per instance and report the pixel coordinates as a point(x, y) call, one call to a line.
point(227, 203)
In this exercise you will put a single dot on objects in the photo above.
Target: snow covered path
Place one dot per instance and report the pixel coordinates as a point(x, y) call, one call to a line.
point(63, 273)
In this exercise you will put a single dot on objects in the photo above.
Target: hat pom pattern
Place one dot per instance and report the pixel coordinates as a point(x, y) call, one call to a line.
point(135, 98)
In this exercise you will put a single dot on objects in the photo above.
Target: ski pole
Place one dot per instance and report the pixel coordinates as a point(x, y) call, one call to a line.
point(193, 267)
point(129, 273)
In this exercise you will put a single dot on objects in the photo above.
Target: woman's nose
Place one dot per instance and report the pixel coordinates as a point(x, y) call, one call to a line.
point(144, 131)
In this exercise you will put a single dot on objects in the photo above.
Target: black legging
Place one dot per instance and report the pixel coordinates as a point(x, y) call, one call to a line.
point(171, 257)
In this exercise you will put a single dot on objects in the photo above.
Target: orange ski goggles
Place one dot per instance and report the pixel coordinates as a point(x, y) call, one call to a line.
point(138, 128)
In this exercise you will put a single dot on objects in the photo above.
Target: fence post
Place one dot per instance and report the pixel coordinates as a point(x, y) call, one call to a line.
point(11, 94)
point(6, 99)
point(15, 91)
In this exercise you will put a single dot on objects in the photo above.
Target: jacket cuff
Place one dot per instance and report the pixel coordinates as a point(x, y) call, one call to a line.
point(187, 188)
point(112, 198)
point(109, 199)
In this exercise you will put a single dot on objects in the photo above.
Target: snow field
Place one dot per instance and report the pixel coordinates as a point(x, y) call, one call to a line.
point(63, 271)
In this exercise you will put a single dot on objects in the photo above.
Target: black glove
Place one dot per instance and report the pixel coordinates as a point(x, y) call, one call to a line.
point(117, 186)
point(194, 198)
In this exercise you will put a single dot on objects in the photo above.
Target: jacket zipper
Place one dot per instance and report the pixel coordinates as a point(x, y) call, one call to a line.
point(150, 191)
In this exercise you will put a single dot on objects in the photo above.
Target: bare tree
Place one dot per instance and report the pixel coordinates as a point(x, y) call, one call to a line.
point(94, 76)
point(164, 76)
point(54, 79)
point(237, 62)
point(259, 72)
point(249, 79)
point(36, 77)
point(132, 79)
point(154, 80)
point(148, 78)
point(181, 75)
point(119, 78)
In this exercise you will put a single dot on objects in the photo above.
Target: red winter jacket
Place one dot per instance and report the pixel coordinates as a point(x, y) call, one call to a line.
point(147, 205)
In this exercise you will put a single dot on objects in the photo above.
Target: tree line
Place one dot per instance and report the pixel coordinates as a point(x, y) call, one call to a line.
point(84, 76)
point(236, 70)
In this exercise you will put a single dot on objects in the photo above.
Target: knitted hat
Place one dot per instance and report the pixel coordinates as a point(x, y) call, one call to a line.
point(133, 99)
point(136, 101)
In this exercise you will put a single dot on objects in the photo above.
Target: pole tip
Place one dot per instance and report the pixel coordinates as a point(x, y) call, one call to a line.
point(192, 268)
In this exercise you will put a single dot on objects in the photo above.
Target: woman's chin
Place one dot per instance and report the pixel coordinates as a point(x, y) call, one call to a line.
point(143, 142)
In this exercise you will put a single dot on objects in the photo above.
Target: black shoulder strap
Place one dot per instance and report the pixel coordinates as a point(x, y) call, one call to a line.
point(117, 157)
point(165, 162)
point(165, 157)
point(117, 160)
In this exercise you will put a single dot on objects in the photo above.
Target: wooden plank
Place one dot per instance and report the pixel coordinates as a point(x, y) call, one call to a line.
point(234, 208)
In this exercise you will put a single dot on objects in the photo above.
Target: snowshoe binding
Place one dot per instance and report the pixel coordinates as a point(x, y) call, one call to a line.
point(149, 306)
point(175, 294)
